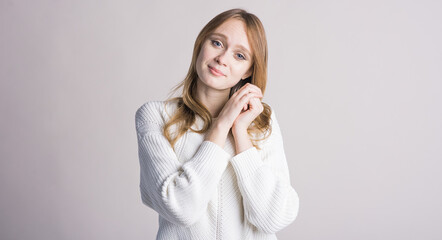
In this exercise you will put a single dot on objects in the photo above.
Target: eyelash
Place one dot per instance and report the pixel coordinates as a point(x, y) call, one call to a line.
point(216, 41)
point(241, 56)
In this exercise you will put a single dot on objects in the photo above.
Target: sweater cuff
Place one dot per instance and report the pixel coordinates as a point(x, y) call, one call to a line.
point(247, 163)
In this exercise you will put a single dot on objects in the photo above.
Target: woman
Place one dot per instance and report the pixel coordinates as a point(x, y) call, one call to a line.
point(212, 161)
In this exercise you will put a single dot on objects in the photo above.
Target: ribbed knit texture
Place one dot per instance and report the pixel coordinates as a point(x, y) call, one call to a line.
point(202, 191)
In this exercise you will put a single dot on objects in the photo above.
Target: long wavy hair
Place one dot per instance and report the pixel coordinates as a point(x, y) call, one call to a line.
point(188, 107)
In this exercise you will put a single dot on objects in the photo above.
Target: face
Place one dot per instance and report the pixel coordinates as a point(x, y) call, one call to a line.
point(225, 57)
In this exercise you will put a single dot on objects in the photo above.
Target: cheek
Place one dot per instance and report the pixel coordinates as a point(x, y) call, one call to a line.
point(198, 66)
point(200, 56)
point(240, 70)
point(204, 53)
point(201, 59)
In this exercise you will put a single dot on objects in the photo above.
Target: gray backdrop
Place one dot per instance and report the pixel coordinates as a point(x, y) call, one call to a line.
point(356, 86)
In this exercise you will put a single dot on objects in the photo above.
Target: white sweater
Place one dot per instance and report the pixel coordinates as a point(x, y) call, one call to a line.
point(202, 191)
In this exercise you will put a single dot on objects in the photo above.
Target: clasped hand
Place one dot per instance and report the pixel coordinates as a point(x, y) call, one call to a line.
point(242, 107)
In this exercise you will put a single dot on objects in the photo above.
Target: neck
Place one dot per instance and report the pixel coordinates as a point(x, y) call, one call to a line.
point(213, 99)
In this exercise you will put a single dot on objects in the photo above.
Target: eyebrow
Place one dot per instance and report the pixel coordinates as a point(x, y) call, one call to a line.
point(239, 46)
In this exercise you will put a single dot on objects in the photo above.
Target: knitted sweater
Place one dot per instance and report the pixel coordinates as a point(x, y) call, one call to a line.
point(203, 191)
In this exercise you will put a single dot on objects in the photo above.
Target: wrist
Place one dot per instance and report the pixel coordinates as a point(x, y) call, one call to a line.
point(238, 130)
point(221, 126)
point(242, 139)
point(217, 133)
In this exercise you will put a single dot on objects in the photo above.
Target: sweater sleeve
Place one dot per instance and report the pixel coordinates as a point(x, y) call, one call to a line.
point(178, 192)
point(270, 202)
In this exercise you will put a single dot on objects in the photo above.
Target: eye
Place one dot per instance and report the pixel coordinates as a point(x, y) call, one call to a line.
point(241, 56)
point(217, 43)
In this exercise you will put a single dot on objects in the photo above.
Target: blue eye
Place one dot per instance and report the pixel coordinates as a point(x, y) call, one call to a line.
point(216, 43)
point(241, 56)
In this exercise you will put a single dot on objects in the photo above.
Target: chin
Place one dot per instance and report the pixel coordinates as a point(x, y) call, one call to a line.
point(213, 83)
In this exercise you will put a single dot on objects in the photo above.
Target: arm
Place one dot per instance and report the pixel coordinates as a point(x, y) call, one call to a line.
point(178, 192)
point(270, 202)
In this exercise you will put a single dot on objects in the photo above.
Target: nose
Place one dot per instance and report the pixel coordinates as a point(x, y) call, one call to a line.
point(221, 58)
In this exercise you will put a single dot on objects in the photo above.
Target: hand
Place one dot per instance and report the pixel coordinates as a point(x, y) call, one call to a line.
point(240, 103)
point(252, 110)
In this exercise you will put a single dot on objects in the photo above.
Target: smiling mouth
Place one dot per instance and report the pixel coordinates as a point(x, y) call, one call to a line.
point(215, 72)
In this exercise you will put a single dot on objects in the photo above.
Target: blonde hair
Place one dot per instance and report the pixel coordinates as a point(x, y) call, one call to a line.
point(188, 106)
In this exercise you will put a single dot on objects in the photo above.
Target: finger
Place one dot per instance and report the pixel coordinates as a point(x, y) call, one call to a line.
point(249, 96)
point(255, 105)
point(249, 89)
point(254, 88)
point(240, 90)
point(245, 99)
point(250, 85)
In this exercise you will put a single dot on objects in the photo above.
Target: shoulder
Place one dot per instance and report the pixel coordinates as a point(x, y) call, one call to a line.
point(157, 112)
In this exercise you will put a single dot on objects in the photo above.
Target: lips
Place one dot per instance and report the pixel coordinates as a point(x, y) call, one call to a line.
point(215, 71)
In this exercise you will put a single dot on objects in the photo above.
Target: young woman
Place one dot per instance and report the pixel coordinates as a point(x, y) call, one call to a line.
point(212, 161)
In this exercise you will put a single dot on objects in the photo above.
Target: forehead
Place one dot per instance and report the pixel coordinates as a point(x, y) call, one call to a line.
point(235, 32)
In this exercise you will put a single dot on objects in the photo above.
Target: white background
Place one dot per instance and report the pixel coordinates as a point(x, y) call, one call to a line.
point(356, 86)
